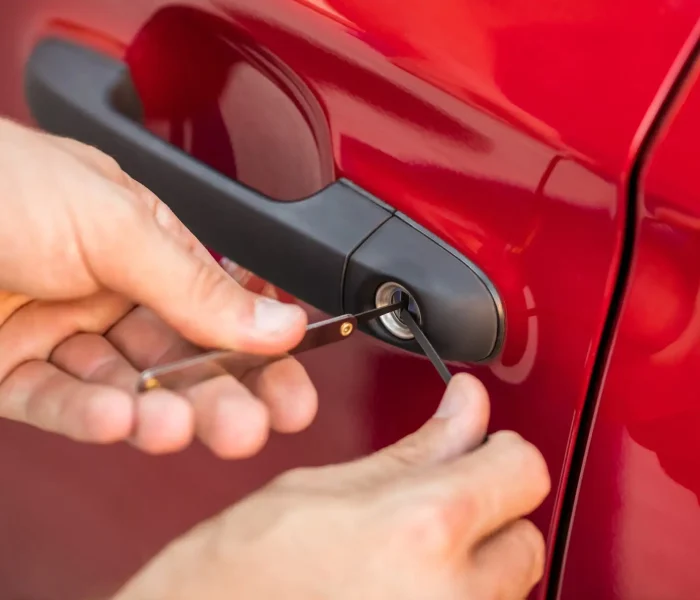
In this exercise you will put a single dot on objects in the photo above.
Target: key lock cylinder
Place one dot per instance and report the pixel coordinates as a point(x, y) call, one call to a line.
point(390, 293)
point(444, 294)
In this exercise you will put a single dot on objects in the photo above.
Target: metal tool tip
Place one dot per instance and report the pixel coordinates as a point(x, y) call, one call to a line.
point(150, 383)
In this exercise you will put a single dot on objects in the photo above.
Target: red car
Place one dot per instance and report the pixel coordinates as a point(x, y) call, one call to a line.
point(525, 170)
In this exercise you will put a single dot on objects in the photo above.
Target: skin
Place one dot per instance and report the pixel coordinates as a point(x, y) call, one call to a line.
point(99, 280)
point(437, 516)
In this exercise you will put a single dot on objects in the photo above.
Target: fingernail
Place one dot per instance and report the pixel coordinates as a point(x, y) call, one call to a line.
point(452, 403)
point(228, 265)
point(272, 316)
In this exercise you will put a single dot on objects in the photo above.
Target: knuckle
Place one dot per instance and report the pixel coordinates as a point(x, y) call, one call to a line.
point(124, 215)
point(532, 549)
point(472, 505)
point(212, 284)
point(513, 562)
point(428, 528)
point(293, 479)
point(415, 449)
point(535, 466)
point(406, 453)
point(530, 460)
point(106, 164)
point(163, 214)
point(101, 318)
point(506, 439)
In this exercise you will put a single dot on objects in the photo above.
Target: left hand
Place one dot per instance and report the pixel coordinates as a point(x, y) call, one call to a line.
point(99, 280)
point(436, 516)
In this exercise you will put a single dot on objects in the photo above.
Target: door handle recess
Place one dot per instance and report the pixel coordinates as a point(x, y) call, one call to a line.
point(333, 250)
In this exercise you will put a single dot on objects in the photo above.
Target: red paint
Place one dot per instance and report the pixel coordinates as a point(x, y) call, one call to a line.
point(503, 127)
point(637, 522)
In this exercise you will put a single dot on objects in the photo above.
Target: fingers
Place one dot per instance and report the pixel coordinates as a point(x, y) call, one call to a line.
point(193, 295)
point(92, 358)
point(472, 489)
point(146, 340)
point(287, 391)
point(510, 563)
point(36, 328)
point(222, 411)
point(499, 482)
point(284, 386)
point(233, 417)
point(40, 394)
point(163, 420)
point(230, 417)
point(459, 425)
point(230, 420)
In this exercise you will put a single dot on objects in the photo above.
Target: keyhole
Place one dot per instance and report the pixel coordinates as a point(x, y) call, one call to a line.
point(391, 293)
point(408, 301)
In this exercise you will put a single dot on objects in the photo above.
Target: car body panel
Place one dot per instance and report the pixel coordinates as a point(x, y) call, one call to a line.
point(506, 129)
point(637, 518)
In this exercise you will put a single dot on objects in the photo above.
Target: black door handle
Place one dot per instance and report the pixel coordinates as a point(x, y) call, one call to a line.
point(332, 250)
point(75, 92)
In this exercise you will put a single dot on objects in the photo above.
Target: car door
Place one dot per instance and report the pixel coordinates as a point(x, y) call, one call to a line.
point(503, 133)
point(636, 520)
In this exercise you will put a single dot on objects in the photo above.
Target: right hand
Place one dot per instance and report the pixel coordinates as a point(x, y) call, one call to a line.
point(438, 516)
point(100, 280)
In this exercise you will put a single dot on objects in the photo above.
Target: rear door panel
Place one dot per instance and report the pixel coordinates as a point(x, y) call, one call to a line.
point(505, 130)
point(636, 523)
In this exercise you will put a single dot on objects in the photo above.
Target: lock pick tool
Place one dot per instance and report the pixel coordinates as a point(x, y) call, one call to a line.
point(207, 365)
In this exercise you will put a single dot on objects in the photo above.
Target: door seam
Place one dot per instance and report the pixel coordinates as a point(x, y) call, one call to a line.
point(669, 95)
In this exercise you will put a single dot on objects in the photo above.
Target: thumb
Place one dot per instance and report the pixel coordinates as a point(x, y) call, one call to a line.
point(458, 425)
point(196, 296)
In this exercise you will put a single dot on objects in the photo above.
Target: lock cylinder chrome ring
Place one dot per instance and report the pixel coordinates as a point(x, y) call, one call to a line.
point(391, 293)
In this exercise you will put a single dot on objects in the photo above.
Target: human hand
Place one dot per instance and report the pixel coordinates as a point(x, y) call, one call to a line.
point(99, 280)
point(437, 516)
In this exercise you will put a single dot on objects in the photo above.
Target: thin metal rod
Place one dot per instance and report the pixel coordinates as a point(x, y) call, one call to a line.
point(426, 346)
